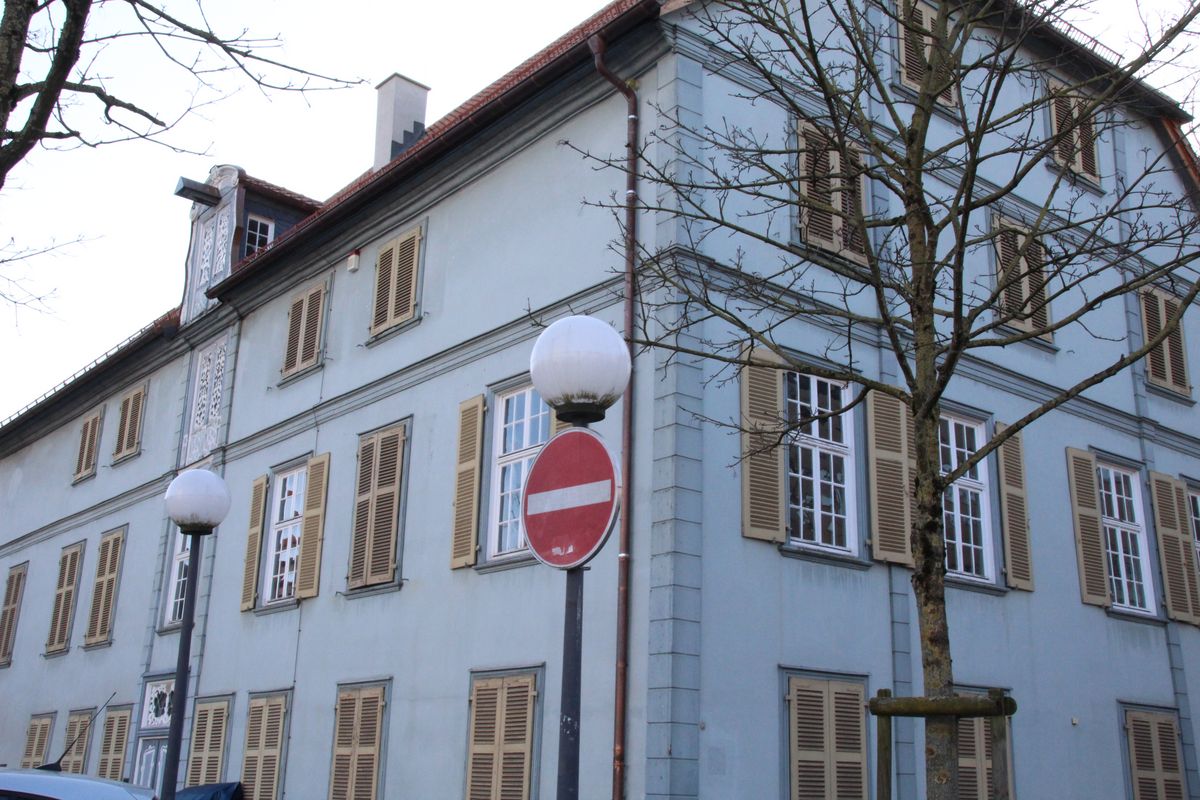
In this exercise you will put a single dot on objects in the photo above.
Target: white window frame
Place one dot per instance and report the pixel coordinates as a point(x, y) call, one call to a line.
point(278, 581)
point(1194, 516)
point(511, 459)
point(177, 577)
point(269, 236)
point(1126, 542)
point(958, 439)
point(827, 439)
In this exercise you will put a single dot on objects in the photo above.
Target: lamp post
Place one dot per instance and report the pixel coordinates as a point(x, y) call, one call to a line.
point(580, 366)
point(197, 501)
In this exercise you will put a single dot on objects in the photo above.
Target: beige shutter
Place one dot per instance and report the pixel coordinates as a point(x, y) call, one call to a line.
point(1176, 358)
point(1014, 507)
point(557, 425)
point(1012, 298)
point(356, 751)
point(469, 463)
point(1154, 755)
point(1176, 549)
point(312, 534)
point(385, 268)
point(1065, 138)
point(1152, 322)
point(1086, 134)
point(975, 779)
point(376, 512)
point(1089, 533)
point(37, 740)
point(851, 183)
point(483, 749)
point(254, 535)
point(817, 187)
point(291, 351)
point(913, 43)
point(827, 740)
point(104, 593)
point(889, 442)
point(264, 747)
point(14, 590)
point(310, 339)
point(500, 739)
point(404, 298)
point(356, 574)
point(89, 437)
point(79, 735)
point(130, 425)
point(764, 489)
point(516, 738)
point(113, 741)
point(208, 742)
point(1035, 287)
point(64, 598)
point(848, 737)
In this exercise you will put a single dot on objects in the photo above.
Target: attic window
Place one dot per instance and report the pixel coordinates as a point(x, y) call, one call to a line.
point(259, 233)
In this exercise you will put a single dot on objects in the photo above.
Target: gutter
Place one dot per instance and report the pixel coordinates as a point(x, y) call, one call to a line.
point(621, 694)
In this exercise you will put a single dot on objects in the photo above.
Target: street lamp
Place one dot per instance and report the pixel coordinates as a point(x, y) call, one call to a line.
point(580, 366)
point(197, 500)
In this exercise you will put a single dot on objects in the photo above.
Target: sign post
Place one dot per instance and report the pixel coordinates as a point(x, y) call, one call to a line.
point(568, 507)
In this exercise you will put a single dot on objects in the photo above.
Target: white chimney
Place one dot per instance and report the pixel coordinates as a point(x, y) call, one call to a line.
point(400, 119)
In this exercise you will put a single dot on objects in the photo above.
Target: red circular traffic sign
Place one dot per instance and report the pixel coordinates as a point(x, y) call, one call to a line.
point(570, 499)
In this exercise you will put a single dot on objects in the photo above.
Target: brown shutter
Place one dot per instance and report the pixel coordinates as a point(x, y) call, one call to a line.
point(310, 340)
point(1154, 755)
point(1018, 556)
point(469, 463)
point(764, 492)
point(1176, 360)
point(356, 575)
point(14, 590)
point(133, 431)
point(79, 735)
point(208, 742)
point(1087, 142)
point(1176, 549)
point(252, 565)
point(104, 593)
point(122, 426)
point(500, 739)
point(1156, 359)
point(312, 534)
point(64, 598)
point(817, 186)
point(37, 739)
point(913, 43)
point(89, 437)
point(264, 747)
point(1089, 533)
point(1065, 136)
point(890, 478)
point(1035, 279)
point(385, 267)
point(404, 298)
point(381, 552)
point(112, 744)
point(291, 351)
point(356, 751)
point(852, 180)
point(827, 740)
point(1012, 299)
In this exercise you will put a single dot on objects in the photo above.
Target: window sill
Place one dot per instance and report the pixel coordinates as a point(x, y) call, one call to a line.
point(97, 645)
point(947, 111)
point(971, 585)
point(1167, 393)
point(276, 607)
point(395, 330)
point(172, 627)
point(1046, 345)
point(81, 478)
point(57, 653)
point(804, 553)
point(1074, 178)
point(126, 457)
point(300, 374)
point(1130, 615)
point(371, 591)
point(501, 563)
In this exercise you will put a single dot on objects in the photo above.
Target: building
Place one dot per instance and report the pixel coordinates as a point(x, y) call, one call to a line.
point(369, 623)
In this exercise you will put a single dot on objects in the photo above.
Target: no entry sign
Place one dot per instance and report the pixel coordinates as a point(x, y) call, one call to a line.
point(570, 499)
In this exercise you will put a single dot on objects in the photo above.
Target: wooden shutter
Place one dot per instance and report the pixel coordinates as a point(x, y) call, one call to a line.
point(827, 740)
point(816, 186)
point(557, 425)
point(1176, 549)
point(79, 735)
point(1089, 533)
point(104, 592)
point(385, 268)
point(1022, 278)
point(376, 512)
point(1086, 136)
point(37, 740)
point(208, 742)
point(468, 465)
point(89, 437)
point(254, 536)
point(310, 340)
point(291, 350)
point(14, 591)
point(1166, 364)
point(396, 281)
point(358, 732)
point(129, 428)
point(764, 491)
point(1064, 146)
point(1154, 756)
point(851, 189)
point(64, 598)
point(500, 740)
point(263, 753)
point(912, 43)
point(1014, 507)
point(890, 474)
point(312, 534)
point(113, 741)
point(1175, 355)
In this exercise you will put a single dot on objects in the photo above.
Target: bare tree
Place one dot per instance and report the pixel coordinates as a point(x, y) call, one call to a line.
point(53, 90)
point(925, 176)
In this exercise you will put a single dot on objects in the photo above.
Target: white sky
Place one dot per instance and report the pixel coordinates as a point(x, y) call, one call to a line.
point(119, 199)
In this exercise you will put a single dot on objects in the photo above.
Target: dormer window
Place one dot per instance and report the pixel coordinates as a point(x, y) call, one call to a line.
point(259, 233)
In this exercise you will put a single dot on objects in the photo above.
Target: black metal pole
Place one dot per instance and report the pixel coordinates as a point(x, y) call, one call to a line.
point(175, 733)
point(568, 726)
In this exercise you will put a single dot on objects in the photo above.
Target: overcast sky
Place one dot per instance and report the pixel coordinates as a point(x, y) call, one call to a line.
point(128, 267)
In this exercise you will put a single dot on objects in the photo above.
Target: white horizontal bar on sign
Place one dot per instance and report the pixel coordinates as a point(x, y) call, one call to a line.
point(584, 494)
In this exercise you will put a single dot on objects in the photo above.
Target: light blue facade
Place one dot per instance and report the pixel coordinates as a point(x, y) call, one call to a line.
point(718, 621)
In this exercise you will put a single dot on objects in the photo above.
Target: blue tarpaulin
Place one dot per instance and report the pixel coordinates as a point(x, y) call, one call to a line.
point(212, 791)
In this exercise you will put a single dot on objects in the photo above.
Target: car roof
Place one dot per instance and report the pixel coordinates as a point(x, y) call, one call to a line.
point(68, 786)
